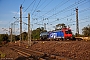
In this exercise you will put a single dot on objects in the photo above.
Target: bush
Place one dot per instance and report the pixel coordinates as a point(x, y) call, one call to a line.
point(3, 37)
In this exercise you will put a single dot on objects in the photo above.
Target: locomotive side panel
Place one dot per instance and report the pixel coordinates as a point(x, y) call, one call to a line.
point(56, 35)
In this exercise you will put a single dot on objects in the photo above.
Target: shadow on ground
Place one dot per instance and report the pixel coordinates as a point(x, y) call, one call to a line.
point(21, 58)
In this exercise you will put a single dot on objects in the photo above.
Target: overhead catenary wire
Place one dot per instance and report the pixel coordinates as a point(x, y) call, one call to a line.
point(33, 6)
point(23, 2)
point(56, 7)
point(65, 9)
point(56, 13)
point(78, 3)
point(36, 7)
point(14, 15)
point(29, 6)
point(80, 19)
point(42, 4)
point(72, 14)
point(62, 3)
point(43, 7)
point(47, 4)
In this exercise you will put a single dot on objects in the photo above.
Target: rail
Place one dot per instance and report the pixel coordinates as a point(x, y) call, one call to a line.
point(35, 55)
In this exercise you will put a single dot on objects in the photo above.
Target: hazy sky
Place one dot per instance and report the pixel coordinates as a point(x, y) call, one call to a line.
point(51, 12)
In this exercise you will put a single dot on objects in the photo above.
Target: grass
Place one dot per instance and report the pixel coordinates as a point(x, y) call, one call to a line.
point(2, 55)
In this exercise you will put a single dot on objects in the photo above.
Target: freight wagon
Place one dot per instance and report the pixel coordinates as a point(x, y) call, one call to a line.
point(44, 35)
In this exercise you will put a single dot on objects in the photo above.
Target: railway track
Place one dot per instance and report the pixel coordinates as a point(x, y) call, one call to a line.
point(35, 55)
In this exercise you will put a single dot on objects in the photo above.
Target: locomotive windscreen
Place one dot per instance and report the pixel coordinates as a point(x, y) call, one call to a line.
point(68, 32)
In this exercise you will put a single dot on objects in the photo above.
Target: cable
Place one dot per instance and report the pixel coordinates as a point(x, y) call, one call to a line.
point(36, 7)
point(64, 10)
point(15, 14)
point(67, 8)
point(72, 14)
point(33, 6)
point(23, 2)
point(46, 5)
point(77, 4)
point(56, 7)
point(29, 6)
point(42, 3)
point(80, 19)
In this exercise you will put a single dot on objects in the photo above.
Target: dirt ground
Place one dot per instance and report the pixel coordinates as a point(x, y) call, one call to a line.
point(75, 50)
point(7, 54)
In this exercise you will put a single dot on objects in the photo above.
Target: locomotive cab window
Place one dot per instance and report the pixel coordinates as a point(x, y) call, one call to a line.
point(68, 32)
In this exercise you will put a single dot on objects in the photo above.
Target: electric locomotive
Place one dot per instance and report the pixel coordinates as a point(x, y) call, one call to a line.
point(63, 34)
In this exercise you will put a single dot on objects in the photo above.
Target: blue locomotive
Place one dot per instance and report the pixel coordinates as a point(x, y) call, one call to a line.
point(56, 35)
point(65, 33)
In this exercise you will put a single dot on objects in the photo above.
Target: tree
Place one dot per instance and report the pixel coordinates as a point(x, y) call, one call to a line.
point(36, 33)
point(86, 31)
point(17, 37)
point(24, 35)
point(60, 26)
point(4, 37)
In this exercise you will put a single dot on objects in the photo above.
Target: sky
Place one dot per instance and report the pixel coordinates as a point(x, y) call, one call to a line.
point(51, 12)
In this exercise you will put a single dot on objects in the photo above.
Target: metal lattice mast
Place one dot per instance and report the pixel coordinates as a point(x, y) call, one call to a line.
point(11, 31)
point(29, 30)
point(20, 22)
point(77, 25)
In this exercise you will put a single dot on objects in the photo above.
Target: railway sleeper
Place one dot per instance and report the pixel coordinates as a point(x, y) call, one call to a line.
point(42, 56)
point(54, 57)
point(21, 52)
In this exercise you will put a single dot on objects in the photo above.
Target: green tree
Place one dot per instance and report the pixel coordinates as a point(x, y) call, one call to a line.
point(86, 31)
point(24, 35)
point(4, 37)
point(36, 33)
point(17, 37)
